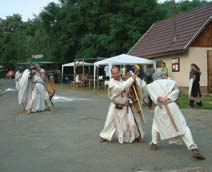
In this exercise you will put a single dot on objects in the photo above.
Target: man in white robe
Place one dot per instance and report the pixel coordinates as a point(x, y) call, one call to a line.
point(44, 77)
point(32, 93)
point(40, 100)
point(37, 103)
point(18, 76)
point(169, 122)
point(138, 113)
point(120, 118)
point(25, 89)
point(138, 84)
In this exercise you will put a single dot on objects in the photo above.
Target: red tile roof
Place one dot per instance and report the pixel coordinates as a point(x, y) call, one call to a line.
point(159, 38)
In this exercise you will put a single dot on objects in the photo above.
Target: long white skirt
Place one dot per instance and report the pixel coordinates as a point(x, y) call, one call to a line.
point(37, 102)
point(120, 121)
point(163, 124)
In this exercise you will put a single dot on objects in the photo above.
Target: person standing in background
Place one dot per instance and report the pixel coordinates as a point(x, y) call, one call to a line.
point(18, 76)
point(194, 86)
point(164, 69)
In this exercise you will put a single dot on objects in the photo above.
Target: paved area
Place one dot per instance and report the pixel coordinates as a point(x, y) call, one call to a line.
point(66, 140)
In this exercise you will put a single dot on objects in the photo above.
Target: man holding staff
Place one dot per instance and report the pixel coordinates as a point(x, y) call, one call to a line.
point(168, 122)
point(120, 119)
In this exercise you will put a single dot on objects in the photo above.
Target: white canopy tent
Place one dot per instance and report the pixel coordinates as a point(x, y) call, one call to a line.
point(122, 59)
point(75, 65)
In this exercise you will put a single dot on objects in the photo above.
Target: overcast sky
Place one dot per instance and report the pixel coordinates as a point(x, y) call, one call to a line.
point(26, 8)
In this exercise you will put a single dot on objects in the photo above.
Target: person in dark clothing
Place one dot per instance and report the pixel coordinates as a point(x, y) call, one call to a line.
point(195, 94)
point(149, 79)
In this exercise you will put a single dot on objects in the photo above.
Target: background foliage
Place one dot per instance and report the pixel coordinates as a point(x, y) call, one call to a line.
point(83, 28)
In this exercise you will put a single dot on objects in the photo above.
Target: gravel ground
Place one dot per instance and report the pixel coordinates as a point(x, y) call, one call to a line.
point(66, 140)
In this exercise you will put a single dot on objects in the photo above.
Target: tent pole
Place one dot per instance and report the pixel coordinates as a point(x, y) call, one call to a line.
point(94, 77)
point(74, 73)
point(62, 76)
point(83, 69)
point(110, 67)
point(97, 78)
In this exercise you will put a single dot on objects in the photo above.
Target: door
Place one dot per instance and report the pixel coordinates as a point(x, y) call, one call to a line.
point(209, 71)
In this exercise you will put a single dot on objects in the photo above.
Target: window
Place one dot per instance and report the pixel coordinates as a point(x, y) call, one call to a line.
point(175, 64)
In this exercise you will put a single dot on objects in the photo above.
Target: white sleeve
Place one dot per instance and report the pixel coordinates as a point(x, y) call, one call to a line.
point(145, 92)
point(174, 94)
point(118, 88)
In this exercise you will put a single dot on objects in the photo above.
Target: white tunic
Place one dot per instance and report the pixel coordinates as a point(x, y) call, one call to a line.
point(161, 121)
point(120, 121)
point(25, 89)
point(37, 103)
point(18, 76)
point(190, 84)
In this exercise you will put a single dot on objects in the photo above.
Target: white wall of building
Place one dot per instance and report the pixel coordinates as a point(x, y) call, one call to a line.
point(195, 55)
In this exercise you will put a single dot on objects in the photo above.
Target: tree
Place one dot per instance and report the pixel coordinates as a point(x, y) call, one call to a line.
point(172, 8)
point(83, 28)
point(10, 36)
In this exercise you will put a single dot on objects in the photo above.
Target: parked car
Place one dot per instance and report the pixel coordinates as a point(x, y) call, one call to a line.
point(10, 74)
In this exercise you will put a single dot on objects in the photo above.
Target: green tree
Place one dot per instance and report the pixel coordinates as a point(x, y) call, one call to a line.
point(172, 8)
point(83, 28)
point(10, 43)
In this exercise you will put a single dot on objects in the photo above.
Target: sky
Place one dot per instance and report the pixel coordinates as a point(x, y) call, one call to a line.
point(26, 8)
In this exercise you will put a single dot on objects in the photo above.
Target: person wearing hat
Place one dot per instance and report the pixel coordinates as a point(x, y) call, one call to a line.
point(168, 122)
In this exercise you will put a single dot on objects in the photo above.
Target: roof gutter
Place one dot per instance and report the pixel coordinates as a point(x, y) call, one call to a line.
point(198, 32)
point(164, 54)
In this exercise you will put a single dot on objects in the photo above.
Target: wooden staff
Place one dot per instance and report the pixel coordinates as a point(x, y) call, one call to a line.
point(140, 138)
point(170, 116)
point(136, 95)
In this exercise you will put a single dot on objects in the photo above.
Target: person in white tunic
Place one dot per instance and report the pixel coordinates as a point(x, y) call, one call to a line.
point(37, 103)
point(25, 88)
point(120, 119)
point(169, 122)
point(40, 100)
point(44, 76)
point(18, 76)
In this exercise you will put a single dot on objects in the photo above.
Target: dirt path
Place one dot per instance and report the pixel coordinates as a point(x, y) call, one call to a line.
point(66, 139)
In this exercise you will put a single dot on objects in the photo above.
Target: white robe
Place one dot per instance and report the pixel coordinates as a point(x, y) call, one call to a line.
point(25, 89)
point(161, 122)
point(140, 82)
point(190, 84)
point(18, 76)
point(120, 121)
point(37, 103)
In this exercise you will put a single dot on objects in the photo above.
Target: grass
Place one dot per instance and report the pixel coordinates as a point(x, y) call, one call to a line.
point(206, 101)
point(183, 98)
